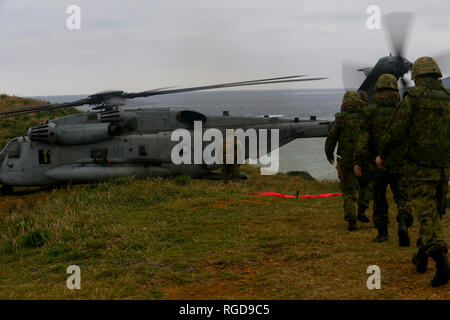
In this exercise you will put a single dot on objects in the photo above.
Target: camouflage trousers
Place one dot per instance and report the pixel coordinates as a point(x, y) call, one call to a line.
point(365, 194)
point(349, 187)
point(427, 203)
point(230, 171)
point(442, 196)
point(399, 187)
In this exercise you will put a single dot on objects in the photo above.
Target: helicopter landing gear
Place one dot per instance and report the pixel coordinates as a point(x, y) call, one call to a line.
point(6, 190)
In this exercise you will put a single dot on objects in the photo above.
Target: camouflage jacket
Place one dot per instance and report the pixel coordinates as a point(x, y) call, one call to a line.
point(364, 105)
point(232, 151)
point(377, 118)
point(344, 132)
point(422, 122)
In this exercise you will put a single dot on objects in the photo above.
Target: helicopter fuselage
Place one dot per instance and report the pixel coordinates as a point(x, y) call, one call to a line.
point(98, 146)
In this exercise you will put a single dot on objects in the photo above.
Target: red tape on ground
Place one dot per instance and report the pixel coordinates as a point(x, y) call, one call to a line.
point(325, 195)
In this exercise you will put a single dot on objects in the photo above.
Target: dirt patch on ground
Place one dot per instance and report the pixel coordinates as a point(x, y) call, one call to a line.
point(241, 286)
point(212, 289)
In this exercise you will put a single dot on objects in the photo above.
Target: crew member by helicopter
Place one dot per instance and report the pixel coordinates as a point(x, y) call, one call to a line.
point(230, 166)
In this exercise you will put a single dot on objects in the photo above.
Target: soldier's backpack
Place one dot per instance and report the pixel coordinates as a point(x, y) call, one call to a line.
point(350, 123)
point(429, 139)
point(381, 116)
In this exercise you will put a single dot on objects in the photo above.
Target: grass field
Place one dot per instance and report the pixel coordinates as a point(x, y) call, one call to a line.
point(199, 239)
point(193, 239)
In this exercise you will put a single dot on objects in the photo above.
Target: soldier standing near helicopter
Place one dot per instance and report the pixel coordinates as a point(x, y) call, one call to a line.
point(230, 166)
point(377, 118)
point(423, 122)
point(344, 131)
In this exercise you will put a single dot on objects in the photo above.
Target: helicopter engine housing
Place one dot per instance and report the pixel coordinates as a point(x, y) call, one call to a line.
point(73, 134)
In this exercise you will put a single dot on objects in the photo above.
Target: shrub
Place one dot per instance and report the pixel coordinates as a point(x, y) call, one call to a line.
point(35, 239)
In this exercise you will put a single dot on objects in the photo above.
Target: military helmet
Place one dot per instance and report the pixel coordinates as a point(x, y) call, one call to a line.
point(387, 81)
point(351, 98)
point(425, 65)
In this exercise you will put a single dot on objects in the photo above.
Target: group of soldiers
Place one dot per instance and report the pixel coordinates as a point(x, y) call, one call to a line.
point(406, 145)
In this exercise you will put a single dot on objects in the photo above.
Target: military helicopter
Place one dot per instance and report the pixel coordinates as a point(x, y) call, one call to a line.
point(109, 141)
point(397, 26)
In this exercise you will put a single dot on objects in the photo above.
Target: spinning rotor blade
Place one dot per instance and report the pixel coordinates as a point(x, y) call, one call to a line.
point(351, 77)
point(397, 26)
point(443, 60)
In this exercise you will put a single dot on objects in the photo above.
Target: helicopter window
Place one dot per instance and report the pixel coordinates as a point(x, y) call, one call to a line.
point(14, 150)
point(2, 157)
point(44, 156)
point(5, 151)
point(142, 150)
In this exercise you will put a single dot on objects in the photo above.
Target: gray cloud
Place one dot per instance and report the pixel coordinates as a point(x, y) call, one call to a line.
point(137, 44)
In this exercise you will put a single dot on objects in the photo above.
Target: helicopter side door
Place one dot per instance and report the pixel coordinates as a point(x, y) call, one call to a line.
point(164, 146)
point(146, 147)
point(40, 158)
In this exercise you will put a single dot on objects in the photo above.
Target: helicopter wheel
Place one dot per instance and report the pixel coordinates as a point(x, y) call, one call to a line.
point(6, 190)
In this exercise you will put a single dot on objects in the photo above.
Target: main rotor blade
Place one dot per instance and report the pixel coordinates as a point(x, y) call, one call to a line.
point(47, 107)
point(264, 80)
point(351, 77)
point(443, 60)
point(397, 26)
point(217, 86)
point(100, 98)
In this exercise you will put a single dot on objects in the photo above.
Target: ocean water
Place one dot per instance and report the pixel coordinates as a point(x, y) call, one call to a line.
point(299, 155)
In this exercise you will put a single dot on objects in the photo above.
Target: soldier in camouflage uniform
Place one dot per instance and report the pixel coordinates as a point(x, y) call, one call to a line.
point(230, 167)
point(365, 194)
point(377, 118)
point(423, 122)
point(364, 97)
point(344, 131)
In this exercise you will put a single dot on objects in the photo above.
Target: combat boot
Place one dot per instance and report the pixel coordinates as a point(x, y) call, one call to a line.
point(442, 268)
point(420, 260)
point(362, 214)
point(403, 236)
point(352, 225)
point(382, 236)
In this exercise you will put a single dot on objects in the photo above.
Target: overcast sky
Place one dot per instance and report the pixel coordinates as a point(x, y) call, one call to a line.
point(137, 45)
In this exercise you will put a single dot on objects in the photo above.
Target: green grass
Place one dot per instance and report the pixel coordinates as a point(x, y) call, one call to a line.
point(18, 126)
point(199, 239)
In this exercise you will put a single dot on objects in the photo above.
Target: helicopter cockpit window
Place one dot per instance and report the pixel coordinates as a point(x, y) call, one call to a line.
point(14, 150)
point(44, 156)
